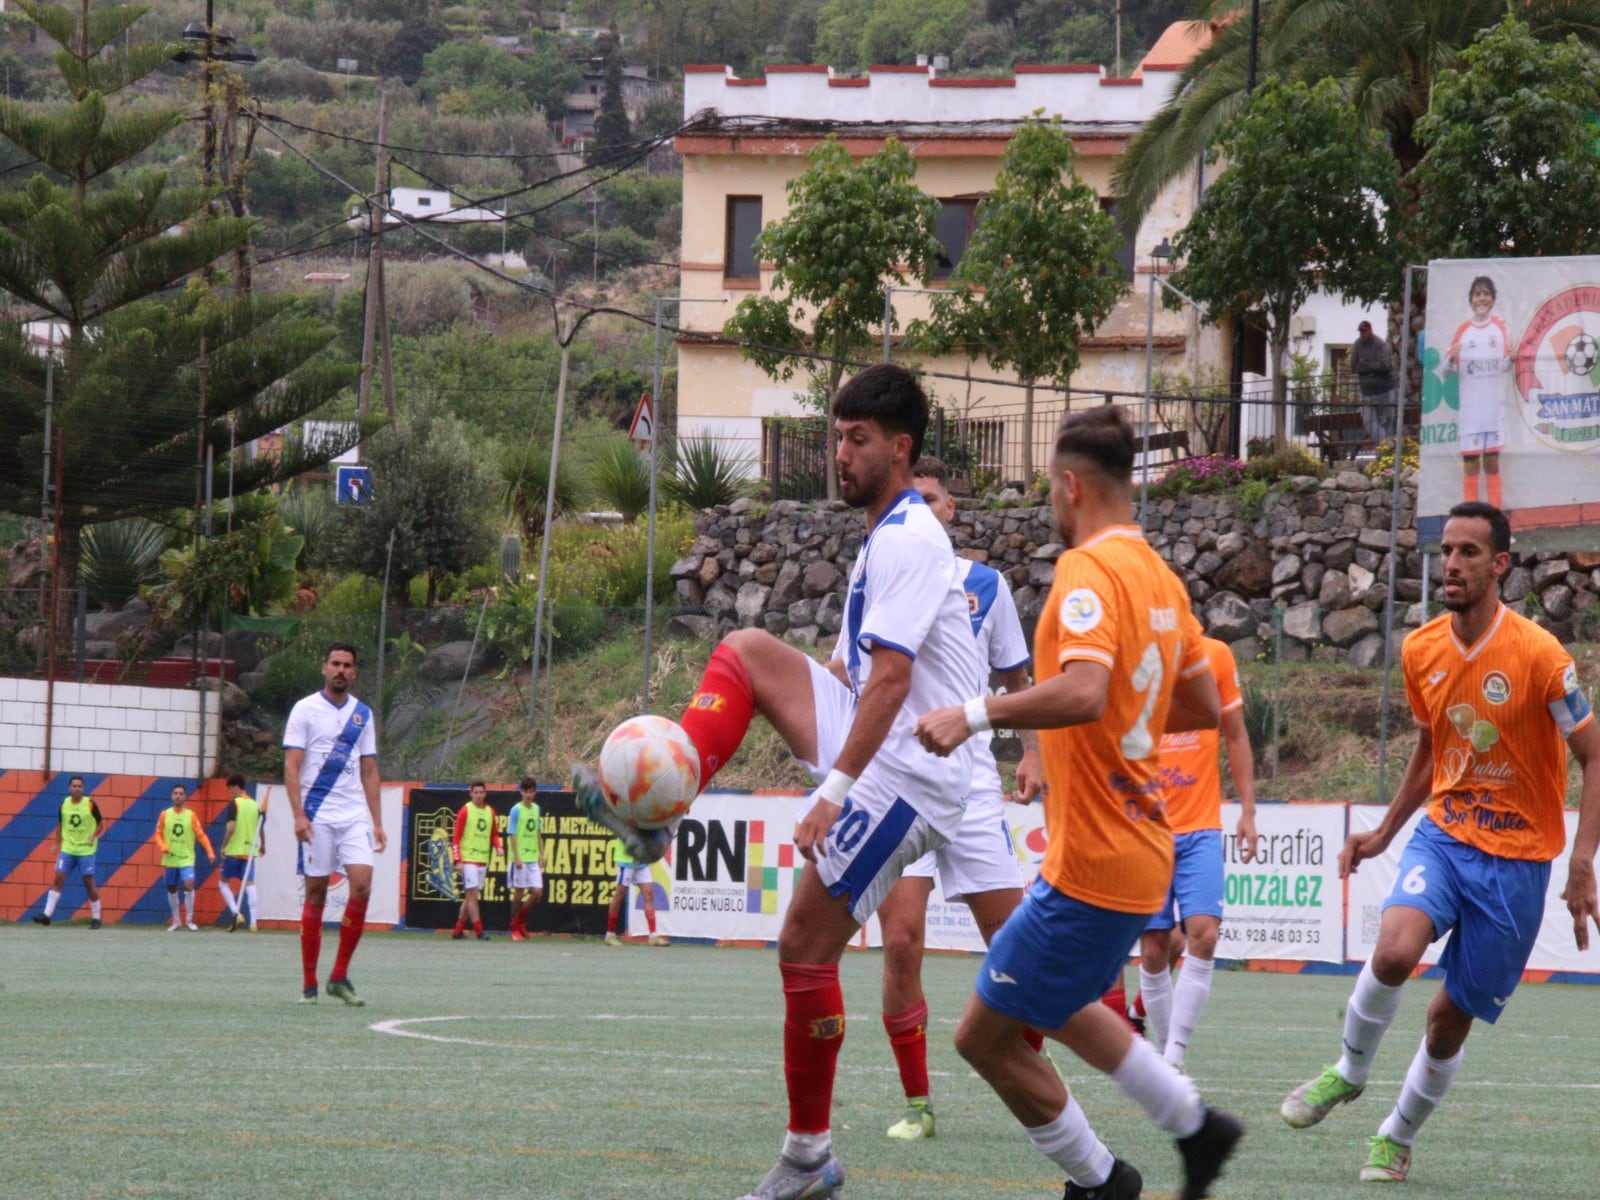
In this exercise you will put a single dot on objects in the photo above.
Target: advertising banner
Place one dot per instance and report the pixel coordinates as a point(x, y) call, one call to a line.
point(280, 885)
point(580, 865)
point(1286, 903)
point(1511, 397)
point(1554, 950)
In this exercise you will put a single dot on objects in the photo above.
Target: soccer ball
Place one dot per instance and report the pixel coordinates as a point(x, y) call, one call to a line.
point(649, 771)
point(1582, 354)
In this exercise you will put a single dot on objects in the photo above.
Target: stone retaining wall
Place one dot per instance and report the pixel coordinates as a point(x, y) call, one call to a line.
point(1315, 558)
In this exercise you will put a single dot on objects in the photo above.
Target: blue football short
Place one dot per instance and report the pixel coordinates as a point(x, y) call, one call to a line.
point(1198, 881)
point(1492, 908)
point(173, 876)
point(1054, 956)
point(83, 864)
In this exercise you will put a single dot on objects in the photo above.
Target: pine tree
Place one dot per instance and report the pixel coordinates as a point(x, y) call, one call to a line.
point(154, 363)
point(612, 132)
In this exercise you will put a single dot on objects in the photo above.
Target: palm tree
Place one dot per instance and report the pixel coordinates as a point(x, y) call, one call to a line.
point(1385, 54)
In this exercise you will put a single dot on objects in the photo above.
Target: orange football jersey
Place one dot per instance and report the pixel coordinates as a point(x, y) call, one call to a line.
point(1113, 602)
point(1500, 712)
point(1191, 771)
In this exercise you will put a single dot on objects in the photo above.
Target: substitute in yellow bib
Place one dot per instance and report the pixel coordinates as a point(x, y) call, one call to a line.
point(524, 857)
point(77, 837)
point(176, 833)
point(243, 841)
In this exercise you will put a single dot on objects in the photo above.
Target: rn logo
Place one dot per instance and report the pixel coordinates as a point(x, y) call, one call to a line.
point(706, 855)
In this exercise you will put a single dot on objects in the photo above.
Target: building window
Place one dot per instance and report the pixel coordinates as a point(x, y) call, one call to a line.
point(424, 201)
point(1110, 205)
point(953, 228)
point(744, 223)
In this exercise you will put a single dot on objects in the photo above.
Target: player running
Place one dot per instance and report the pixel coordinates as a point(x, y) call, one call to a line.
point(1118, 662)
point(905, 647)
point(243, 841)
point(473, 842)
point(1494, 698)
point(524, 857)
point(77, 836)
point(177, 830)
point(1191, 780)
point(980, 865)
point(338, 815)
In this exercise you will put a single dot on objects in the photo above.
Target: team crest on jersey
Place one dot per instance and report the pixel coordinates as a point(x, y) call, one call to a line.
point(1081, 610)
point(1496, 687)
point(355, 719)
point(708, 702)
point(1558, 370)
point(1569, 678)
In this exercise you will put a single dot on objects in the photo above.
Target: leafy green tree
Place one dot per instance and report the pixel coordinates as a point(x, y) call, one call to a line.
point(851, 229)
point(1510, 164)
point(478, 78)
point(1039, 273)
point(429, 489)
point(1385, 55)
point(1298, 210)
point(153, 368)
point(858, 33)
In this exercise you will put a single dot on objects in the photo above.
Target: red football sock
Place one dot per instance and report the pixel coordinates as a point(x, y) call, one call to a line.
point(1493, 479)
point(310, 942)
point(719, 712)
point(1117, 1001)
point(1035, 1040)
point(355, 920)
point(1138, 1006)
point(908, 1038)
point(611, 920)
point(650, 919)
point(477, 927)
point(813, 1030)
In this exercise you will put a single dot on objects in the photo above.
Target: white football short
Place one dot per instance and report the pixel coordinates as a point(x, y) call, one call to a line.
point(983, 857)
point(472, 875)
point(525, 875)
point(883, 827)
point(336, 847)
point(636, 874)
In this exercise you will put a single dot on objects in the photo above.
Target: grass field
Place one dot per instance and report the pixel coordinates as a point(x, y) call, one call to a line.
point(138, 1063)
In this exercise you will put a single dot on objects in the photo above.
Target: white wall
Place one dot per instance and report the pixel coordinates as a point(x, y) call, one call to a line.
point(105, 728)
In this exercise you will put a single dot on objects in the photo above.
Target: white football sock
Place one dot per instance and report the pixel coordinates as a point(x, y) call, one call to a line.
point(807, 1147)
point(1167, 1095)
point(1156, 992)
point(51, 899)
point(188, 906)
point(1367, 1018)
point(94, 909)
point(1188, 1002)
point(227, 896)
point(1072, 1145)
point(172, 903)
point(250, 898)
point(1427, 1081)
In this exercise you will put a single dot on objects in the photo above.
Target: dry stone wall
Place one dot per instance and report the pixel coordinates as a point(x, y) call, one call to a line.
point(1307, 576)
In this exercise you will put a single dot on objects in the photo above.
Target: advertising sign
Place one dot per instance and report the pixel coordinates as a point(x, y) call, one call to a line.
point(1286, 903)
point(280, 885)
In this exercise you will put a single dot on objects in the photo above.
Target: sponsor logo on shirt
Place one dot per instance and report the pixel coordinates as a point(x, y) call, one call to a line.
point(1496, 687)
point(1081, 610)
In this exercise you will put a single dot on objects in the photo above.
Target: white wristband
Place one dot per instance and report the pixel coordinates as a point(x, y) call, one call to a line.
point(835, 787)
point(978, 715)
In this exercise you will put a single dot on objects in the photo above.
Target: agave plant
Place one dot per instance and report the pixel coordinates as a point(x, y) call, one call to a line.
point(310, 512)
point(705, 473)
point(522, 483)
point(620, 477)
point(120, 557)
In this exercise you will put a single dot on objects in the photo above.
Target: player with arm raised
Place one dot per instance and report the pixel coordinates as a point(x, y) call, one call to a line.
point(905, 647)
point(1497, 704)
point(330, 770)
point(979, 866)
point(1117, 662)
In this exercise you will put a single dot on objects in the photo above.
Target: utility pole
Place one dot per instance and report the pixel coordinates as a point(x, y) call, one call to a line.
point(375, 284)
point(594, 265)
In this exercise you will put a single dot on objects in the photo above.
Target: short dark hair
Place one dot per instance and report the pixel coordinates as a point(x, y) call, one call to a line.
point(929, 467)
point(346, 647)
point(890, 395)
point(1499, 523)
point(1363, 325)
point(71, 779)
point(236, 781)
point(1484, 282)
point(1103, 436)
point(528, 784)
point(477, 783)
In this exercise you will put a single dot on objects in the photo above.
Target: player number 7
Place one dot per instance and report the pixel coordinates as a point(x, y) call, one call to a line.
point(1137, 742)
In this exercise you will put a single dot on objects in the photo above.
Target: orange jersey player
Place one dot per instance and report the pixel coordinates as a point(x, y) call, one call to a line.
point(1497, 704)
point(1117, 662)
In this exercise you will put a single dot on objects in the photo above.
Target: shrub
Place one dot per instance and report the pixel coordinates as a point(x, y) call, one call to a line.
point(1206, 473)
point(704, 474)
point(1383, 460)
point(1296, 460)
point(120, 557)
point(620, 476)
point(310, 512)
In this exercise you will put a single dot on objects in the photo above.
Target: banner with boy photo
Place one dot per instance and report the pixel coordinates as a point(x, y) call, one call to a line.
point(1511, 397)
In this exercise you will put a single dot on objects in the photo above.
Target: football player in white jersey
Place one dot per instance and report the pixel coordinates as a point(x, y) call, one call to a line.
point(979, 866)
point(1481, 352)
point(330, 770)
point(905, 646)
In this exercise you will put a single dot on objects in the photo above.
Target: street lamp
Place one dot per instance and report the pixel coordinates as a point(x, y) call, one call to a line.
point(207, 44)
point(1160, 254)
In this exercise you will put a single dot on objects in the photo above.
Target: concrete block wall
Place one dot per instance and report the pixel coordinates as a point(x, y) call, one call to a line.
point(106, 729)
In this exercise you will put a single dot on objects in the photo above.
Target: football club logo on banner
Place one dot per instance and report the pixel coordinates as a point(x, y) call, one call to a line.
point(1557, 364)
